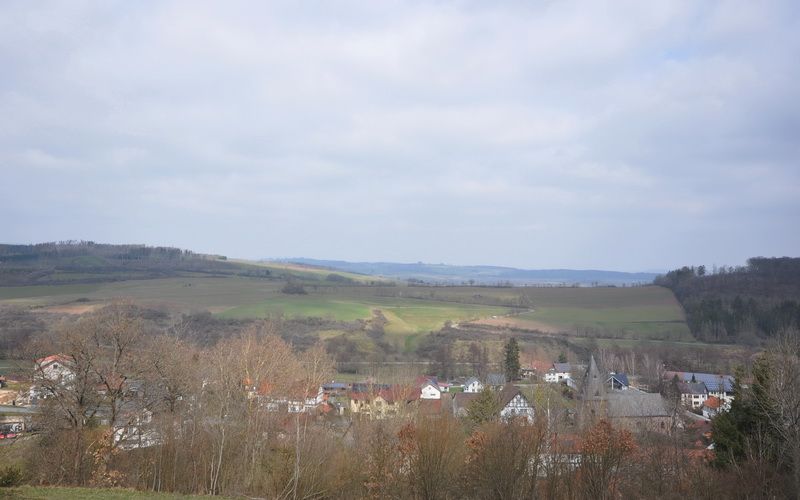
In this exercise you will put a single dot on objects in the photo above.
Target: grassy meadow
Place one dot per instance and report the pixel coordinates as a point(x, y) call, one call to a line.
point(639, 313)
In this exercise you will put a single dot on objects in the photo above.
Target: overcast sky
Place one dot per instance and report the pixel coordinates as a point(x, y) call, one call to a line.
point(621, 135)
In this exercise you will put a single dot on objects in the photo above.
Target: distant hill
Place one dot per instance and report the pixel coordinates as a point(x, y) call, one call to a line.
point(483, 275)
point(90, 262)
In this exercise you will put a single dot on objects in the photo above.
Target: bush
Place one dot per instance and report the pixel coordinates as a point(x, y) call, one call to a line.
point(10, 476)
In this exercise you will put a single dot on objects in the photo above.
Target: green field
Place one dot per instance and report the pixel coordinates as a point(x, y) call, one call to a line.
point(404, 315)
point(639, 313)
point(647, 313)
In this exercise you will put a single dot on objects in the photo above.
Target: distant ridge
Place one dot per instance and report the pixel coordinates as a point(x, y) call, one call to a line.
point(484, 275)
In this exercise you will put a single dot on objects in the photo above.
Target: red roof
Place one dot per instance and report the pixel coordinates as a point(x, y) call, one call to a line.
point(713, 402)
point(53, 357)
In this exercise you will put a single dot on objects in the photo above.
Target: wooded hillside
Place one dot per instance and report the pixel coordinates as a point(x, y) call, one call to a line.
point(741, 304)
point(89, 262)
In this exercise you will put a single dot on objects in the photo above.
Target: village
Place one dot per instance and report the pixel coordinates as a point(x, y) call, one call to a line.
point(567, 395)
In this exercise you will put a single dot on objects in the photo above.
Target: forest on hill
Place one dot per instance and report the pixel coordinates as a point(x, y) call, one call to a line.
point(89, 262)
point(744, 304)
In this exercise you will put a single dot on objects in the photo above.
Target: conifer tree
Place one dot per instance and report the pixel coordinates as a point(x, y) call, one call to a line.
point(512, 360)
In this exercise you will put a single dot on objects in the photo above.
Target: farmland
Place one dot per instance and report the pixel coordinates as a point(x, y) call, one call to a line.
point(606, 312)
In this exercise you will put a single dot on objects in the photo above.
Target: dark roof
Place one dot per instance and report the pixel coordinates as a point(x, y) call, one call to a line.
point(690, 388)
point(562, 367)
point(508, 393)
point(471, 380)
point(622, 378)
point(424, 380)
point(367, 387)
point(334, 386)
point(495, 379)
point(635, 404)
point(713, 381)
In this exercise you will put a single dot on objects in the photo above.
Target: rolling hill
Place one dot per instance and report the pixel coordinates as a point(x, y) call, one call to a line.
point(483, 275)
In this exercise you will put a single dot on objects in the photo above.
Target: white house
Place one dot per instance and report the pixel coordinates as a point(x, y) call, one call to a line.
point(473, 385)
point(514, 404)
point(718, 385)
point(693, 395)
point(55, 368)
point(558, 373)
point(430, 390)
point(712, 406)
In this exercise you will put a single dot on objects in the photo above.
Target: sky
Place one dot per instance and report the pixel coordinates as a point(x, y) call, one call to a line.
point(607, 135)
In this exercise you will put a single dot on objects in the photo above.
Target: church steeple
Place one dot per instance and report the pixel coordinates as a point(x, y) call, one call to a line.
point(593, 392)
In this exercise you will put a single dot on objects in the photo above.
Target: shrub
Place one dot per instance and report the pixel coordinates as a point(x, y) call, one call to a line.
point(10, 476)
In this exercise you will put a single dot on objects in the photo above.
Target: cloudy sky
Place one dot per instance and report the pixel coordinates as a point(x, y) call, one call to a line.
point(621, 135)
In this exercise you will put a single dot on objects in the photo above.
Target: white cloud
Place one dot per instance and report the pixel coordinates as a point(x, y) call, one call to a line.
point(506, 124)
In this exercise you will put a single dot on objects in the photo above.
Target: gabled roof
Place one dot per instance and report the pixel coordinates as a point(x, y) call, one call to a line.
point(635, 404)
point(471, 380)
point(508, 393)
point(496, 379)
point(424, 380)
point(690, 388)
point(562, 367)
point(62, 358)
point(622, 378)
point(713, 402)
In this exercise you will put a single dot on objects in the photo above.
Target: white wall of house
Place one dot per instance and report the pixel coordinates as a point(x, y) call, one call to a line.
point(694, 400)
point(517, 407)
point(473, 386)
point(554, 376)
point(430, 391)
point(56, 371)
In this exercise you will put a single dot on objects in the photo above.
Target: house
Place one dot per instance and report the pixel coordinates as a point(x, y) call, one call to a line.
point(514, 404)
point(632, 409)
point(718, 385)
point(335, 388)
point(473, 385)
point(56, 368)
point(712, 407)
point(638, 411)
point(558, 372)
point(693, 395)
point(496, 380)
point(429, 388)
point(618, 382)
point(378, 405)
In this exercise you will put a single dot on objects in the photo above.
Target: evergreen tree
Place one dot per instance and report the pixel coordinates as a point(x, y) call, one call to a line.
point(749, 417)
point(512, 360)
point(483, 408)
